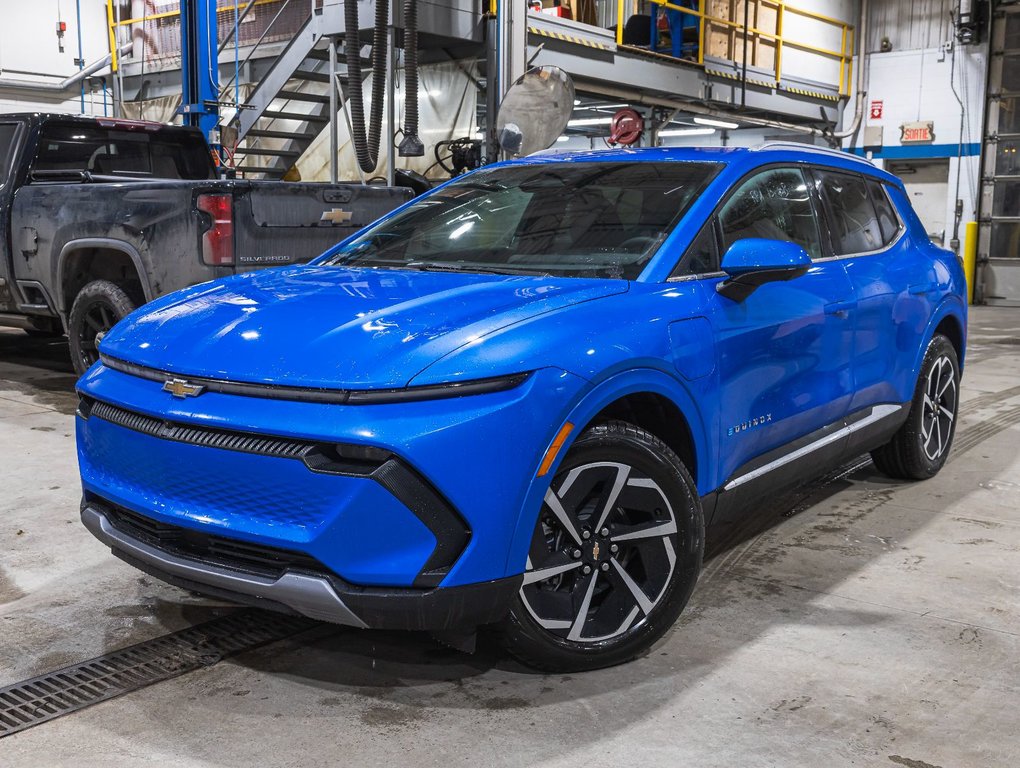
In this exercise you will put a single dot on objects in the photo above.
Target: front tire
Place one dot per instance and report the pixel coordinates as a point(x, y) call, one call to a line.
point(96, 309)
point(614, 557)
point(921, 446)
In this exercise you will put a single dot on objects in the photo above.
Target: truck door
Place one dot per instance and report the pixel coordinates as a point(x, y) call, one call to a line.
point(11, 135)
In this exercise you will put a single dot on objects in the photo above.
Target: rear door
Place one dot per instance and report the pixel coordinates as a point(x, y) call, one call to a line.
point(11, 136)
point(784, 352)
point(885, 271)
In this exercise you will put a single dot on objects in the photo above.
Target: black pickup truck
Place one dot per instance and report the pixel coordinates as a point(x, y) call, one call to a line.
point(98, 216)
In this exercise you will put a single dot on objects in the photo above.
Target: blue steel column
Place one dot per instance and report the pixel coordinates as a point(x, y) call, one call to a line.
point(200, 66)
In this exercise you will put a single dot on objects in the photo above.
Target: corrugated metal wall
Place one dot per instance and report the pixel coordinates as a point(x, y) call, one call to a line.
point(909, 25)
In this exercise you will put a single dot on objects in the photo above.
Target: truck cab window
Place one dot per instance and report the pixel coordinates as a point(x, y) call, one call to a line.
point(116, 152)
point(8, 132)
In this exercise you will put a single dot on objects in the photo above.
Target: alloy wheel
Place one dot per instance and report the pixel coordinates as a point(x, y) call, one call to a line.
point(939, 408)
point(602, 555)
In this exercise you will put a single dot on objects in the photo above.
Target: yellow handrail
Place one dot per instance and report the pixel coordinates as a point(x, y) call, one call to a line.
point(113, 35)
point(843, 56)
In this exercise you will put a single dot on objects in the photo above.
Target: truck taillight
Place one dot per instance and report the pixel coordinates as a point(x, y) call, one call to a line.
point(218, 241)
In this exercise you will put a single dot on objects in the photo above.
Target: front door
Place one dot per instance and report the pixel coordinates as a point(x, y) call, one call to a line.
point(785, 351)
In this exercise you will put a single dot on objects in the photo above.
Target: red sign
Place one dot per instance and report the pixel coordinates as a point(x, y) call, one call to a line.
point(876, 110)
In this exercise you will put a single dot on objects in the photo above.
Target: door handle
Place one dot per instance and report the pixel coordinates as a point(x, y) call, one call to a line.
point(840, 308)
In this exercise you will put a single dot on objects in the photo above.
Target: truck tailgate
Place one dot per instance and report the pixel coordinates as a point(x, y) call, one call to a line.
point(287, 222)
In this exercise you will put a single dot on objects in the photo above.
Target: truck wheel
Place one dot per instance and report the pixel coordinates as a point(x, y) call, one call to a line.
point(96, 309)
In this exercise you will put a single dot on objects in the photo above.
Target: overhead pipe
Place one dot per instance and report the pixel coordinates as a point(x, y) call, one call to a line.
point(366, 142)
point(862, 80)
point(64, 85)
point(81, 56)
point(411, 145)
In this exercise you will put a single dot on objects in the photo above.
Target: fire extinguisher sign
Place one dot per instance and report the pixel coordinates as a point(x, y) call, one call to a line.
point(876, 110)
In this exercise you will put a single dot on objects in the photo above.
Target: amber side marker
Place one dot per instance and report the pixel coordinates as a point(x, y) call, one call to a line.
point(554, 449)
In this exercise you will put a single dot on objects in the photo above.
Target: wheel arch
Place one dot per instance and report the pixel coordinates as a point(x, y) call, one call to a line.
point(949, 319)
point(642, 393)
point(78, 265)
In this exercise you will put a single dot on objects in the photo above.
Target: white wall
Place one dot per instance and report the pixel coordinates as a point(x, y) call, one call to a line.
point(919, 86)
point(28, 42)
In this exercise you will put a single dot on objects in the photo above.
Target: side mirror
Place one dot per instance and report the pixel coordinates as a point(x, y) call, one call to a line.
point(754, 261)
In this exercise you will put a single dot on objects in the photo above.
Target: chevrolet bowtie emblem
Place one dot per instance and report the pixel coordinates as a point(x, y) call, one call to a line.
point(337, 216)
point(182, 388)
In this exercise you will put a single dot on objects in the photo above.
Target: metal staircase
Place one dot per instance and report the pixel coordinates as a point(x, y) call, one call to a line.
point(290, 105)
point(288, 108)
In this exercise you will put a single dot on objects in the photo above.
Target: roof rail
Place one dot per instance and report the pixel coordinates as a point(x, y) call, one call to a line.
point(809, 148)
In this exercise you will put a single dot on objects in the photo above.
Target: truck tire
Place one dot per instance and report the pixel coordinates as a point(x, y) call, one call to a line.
point(96, 309)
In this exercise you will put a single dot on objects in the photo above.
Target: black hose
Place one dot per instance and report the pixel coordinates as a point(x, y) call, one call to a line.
point(411, 145)
point(366, 147)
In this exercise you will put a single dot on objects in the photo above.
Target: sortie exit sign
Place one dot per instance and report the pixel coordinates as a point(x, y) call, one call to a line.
point(922, 132)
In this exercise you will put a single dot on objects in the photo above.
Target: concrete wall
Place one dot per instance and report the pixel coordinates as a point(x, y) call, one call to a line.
point(28, 42)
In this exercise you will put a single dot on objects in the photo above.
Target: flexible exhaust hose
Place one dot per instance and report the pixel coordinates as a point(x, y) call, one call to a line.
point(411, 145)
point(366, 147)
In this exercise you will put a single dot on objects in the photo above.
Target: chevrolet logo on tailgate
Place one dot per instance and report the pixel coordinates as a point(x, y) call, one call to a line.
point(182, 388)
point(337, 216)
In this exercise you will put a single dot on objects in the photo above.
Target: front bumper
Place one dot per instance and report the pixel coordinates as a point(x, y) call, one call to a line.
point(317, 595)
point(249, 470)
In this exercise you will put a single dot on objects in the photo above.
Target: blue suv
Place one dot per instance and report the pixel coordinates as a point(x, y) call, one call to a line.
point(519, 399)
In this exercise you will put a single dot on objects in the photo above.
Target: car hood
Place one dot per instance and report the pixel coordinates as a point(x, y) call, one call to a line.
point(332, 326)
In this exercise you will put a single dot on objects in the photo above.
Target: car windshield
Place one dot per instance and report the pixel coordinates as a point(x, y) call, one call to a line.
point(572, 219)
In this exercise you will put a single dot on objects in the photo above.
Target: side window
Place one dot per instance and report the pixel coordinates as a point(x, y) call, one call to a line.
point(888, 221)
point(854, 225)
point(8, 133)
point(703, 255)
point(776, 205)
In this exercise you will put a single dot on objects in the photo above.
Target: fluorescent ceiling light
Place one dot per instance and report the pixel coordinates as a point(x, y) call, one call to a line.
point(563, 138)
point(688, 132)
point(716, 123)
point(608, 106)
point(590, 121)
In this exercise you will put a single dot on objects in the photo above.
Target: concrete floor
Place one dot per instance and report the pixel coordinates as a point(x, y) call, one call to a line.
point(857, 621)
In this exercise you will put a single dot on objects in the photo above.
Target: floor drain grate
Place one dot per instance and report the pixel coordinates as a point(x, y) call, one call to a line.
point(72, 688)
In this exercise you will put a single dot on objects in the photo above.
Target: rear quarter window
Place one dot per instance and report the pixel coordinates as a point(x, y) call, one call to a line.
point(888, 221)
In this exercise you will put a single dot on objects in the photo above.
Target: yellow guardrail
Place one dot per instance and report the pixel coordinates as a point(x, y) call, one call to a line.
point(844, 56)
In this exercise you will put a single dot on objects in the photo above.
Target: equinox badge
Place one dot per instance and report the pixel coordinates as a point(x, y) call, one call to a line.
point(182, 388)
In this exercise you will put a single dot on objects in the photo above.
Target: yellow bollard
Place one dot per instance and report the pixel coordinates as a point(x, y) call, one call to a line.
point(970, 241)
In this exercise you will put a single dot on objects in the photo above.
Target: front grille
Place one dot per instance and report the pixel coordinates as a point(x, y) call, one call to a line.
point(217, 550)
point(206, 436)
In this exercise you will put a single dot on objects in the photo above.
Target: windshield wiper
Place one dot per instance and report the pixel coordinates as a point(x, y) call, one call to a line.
point(438, 266)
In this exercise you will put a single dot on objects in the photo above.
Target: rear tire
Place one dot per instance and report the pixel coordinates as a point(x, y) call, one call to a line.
point(921, 446)
point(615, 554)
point(96, 309)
